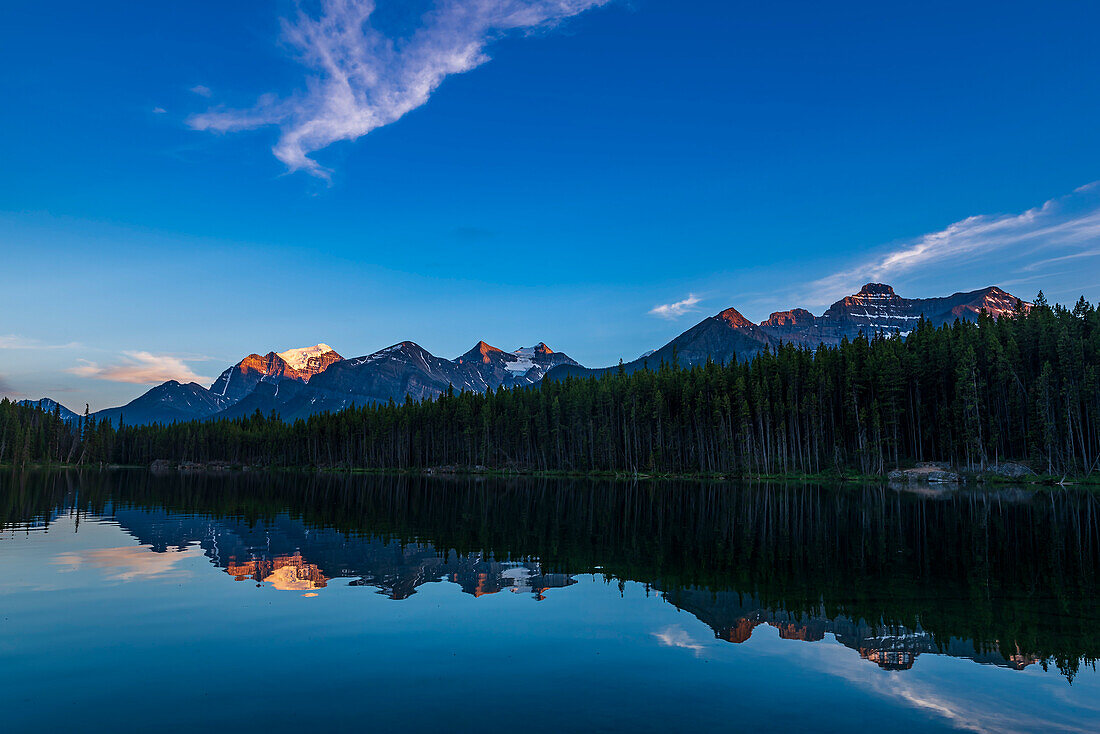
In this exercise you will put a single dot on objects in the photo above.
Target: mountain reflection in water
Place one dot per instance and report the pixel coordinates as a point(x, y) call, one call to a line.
point(1005, 577)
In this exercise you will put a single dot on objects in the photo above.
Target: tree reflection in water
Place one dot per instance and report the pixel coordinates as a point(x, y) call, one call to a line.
point(1005, 577)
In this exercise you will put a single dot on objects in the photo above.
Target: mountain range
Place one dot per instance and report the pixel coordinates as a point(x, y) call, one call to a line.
point(300, 382)
point(875, 309)
point(297, 383)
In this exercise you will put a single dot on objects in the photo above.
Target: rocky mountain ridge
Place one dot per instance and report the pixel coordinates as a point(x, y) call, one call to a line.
point(241, 379)
point(317, 379)
point(875, 310)
point(299, 382)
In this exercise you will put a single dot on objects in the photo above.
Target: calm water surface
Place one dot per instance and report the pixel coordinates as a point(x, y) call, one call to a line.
point(135, 602)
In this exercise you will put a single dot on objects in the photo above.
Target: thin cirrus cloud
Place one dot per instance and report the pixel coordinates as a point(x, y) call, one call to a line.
point(672, 311)
point(140, 368)
point(360, 80)
point(1061, 230)
point(201, 90)
point(14, 341)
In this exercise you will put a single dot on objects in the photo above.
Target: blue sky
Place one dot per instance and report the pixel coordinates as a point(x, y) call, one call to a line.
point(185, 183)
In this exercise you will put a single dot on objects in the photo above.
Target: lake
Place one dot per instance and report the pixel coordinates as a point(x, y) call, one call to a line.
point(131, 601)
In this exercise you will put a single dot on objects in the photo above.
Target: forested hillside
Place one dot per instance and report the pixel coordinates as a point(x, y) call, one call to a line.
point(1025, 386)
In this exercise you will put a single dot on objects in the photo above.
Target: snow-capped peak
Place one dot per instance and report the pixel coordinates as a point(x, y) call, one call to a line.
point(522, 363)
point(299, 358)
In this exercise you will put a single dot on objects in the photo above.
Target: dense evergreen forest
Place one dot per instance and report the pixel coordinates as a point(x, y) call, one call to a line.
point(1025, 387)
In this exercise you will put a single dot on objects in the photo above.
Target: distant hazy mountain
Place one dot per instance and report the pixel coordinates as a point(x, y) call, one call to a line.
point(48, 405)
point(297, 383)
point(169, 402)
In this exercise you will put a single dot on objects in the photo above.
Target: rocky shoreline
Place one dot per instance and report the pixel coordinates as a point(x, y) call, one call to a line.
point(162, 466)
point(933, 472)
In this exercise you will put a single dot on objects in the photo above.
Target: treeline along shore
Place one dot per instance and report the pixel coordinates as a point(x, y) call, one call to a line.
point(1024, 387)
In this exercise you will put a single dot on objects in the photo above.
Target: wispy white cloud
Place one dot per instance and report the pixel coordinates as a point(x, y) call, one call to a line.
point(360, 80)
point(201, 90)
point(159, 111)
point(140, 368)
point(677, 636)
point(14, 341)
point(1065, 228)
point(675, 310)
point(128, 563)
point(1039, 264)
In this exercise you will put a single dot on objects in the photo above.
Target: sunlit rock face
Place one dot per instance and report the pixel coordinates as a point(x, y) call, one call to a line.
point(309, 361)
point(794, 317)
point(733, 318)
point(299, 365)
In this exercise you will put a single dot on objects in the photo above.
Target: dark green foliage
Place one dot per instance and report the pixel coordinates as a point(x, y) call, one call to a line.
point(29, 434)
point(1026, 387)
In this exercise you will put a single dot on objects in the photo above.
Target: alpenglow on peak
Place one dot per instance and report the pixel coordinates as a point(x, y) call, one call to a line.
point(299, 358)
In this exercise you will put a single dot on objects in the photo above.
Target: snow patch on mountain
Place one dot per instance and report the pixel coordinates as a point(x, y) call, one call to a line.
point(299, 358)
point(523, 362)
